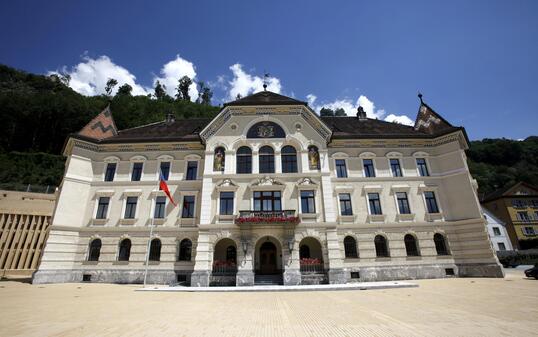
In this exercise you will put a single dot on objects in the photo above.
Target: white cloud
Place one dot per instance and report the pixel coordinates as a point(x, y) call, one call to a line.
point(90, 76)
point(245, 84)
point(172, 71)
point(350, 108)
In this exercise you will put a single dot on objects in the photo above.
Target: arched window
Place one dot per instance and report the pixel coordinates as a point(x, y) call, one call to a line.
point(185, 249)
point(231, 254)
point(411, 246)
point(155, 250)
point(440, 244)
point(304, 252)
point(95, 250)
point(350, 247)
point(244, 160)
point(313, 157)
point(219, 159)
point(267, 159)
point(289, 159)
point(381, 249)
point(125, 250)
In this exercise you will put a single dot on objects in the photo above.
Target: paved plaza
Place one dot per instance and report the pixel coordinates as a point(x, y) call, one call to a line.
point(442, 307)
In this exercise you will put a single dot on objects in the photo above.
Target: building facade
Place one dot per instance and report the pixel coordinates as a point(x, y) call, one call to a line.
point(25, 219)
point(268, 192)
point(517, 207)
point(498, 235)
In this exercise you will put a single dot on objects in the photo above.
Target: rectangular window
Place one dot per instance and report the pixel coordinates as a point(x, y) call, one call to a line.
point(422, 167)
point(188, 207)
point(375, 203)
point(534, 203)
point(501, 246)
point(369, 170)
point(192, 170)
point(523, 216)
point(403, 203)
point(431, 202)
point(130, 207)
point(160, 207)
point(267, 201)
point(226, 203)
point(519, 203)
point(496, 231)
point(345, 204)
point(528, 230)
point(102, 208)
point(341, 170)
point(395, 168)
point(110, 171)
point(165, 169)
point(308, 202)
point(137, 171)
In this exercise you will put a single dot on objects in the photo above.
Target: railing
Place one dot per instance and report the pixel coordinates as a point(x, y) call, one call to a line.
point(286, 216)
point(312, 268)
point(224, 268)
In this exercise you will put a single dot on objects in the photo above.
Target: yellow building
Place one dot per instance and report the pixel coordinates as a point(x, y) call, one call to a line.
point(517, 206)
point(25, 219)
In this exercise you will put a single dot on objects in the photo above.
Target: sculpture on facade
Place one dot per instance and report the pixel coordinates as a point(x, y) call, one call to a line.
point(313, 157)
point(218, 160)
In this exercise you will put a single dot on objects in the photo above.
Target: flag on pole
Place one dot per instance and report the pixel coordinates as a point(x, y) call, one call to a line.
point(164, 187)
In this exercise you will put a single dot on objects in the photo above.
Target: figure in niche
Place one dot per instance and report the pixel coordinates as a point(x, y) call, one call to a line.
point(218, 160)
point(313, 157)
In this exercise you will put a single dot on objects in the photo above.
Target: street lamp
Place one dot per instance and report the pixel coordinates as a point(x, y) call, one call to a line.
point(290, 244)
point(244, 244)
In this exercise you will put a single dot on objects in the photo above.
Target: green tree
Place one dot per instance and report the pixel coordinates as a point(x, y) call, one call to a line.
point(205, 94)
point(324, 112)
point(110, 84)
point(160, 90)
point(125, 90)
point(340, 112)
point(183, 88)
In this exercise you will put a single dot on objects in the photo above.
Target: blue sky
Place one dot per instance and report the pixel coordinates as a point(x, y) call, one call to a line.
point(476, 62)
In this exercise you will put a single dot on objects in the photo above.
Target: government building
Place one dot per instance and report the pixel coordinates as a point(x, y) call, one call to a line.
point(267, 192)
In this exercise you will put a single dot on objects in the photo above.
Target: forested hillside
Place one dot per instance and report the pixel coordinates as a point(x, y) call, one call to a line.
point(39, 112)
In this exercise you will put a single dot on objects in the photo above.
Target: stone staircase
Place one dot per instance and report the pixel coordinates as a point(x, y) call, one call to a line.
point(266, 280)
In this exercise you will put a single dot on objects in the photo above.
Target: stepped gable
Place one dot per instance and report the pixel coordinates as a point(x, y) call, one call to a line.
point(101, 127)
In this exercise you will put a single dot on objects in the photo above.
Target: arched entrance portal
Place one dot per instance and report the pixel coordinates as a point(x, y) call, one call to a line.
point(268, 257)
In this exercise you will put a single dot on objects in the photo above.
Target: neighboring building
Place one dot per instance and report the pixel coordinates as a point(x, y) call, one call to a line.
point(25, 220)
point(268, 191)
point(498, 234)
point(517, 207)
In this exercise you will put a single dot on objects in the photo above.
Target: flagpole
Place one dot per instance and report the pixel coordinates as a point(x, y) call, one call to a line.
point(151, 230)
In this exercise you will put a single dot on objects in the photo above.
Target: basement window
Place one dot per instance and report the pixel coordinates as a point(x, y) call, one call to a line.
point(449, 272)
point(86, 278)
point(355, 274)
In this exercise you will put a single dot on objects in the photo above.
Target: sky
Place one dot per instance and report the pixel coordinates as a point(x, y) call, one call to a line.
point(475, 62)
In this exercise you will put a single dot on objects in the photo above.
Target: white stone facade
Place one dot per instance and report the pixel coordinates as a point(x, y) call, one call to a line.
point(457, 220)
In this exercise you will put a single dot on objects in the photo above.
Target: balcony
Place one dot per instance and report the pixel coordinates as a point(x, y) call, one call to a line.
point(264, 217)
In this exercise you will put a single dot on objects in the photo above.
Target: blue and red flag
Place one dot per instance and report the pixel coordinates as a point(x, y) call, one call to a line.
point(164, 187)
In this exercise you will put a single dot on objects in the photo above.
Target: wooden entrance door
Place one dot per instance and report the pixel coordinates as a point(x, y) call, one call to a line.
point(268, 258)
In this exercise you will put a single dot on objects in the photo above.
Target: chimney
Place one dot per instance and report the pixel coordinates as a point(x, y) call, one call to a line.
point(361, 114)
point(170, 118)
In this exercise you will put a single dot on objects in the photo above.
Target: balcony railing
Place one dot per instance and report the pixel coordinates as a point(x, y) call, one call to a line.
point(249, 217)
point(224, 268)
point(311, 266)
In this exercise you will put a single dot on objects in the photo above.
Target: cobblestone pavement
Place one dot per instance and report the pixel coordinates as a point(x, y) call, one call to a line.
point(446, 307)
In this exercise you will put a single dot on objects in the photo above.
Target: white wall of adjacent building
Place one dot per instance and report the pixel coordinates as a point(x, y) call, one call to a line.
point(497, 232)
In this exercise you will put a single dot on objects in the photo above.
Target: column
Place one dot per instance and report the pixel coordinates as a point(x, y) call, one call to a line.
point(202, 270)
point(245, 267)
point(292, 270)
point(337, 273)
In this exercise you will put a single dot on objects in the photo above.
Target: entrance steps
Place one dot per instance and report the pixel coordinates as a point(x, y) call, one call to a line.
point(268, 279)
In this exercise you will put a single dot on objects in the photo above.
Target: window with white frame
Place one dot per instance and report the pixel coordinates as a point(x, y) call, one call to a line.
point(160, 207)
point(102, 207)
point(369, 170)
point(345, 204)
point(395, 167)
point(165, 169)
point(308, 202)
point(523, 216)
point(188, 207)
point(341, 169)
point(110, 171)
point(192, 170)
point(374, 204)
point(130, 207)
point(528, 230)
point(136, 173)
point(403, 203)
point(226, 203)
point(431, 202)
point(501, 245)
point(422, 167)
point(496, 231)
